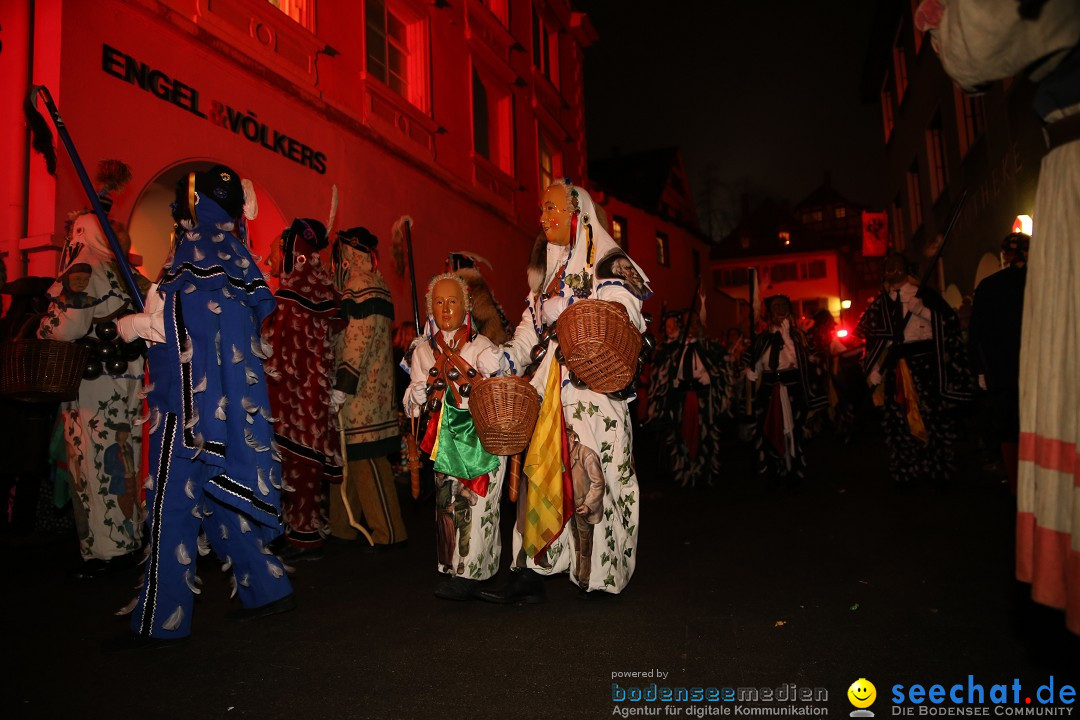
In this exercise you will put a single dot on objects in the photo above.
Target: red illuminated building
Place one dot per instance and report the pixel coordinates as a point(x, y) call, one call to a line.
point(455, 112)
point(812, 253)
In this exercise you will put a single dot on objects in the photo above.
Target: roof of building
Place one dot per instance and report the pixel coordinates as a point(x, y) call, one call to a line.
point(638, 178)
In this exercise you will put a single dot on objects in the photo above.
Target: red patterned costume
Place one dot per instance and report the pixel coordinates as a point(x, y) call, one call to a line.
point(300, 375)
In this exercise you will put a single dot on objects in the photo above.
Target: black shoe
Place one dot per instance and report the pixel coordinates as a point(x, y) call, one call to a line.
point(386, 547)
point(128, 642)
point(292, 553)
point(524, 586)
point(95, 567)
point(584, 594)
point(283, 605)
point(457, 588)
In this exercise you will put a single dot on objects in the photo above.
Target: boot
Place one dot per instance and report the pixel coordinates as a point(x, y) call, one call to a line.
point(456, 588)
point(524, 586)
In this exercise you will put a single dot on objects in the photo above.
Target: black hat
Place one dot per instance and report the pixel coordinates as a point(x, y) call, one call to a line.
point(1016, 242)
point(303, 236)
point(222, 185)
point(769, 300)
point(359, 238)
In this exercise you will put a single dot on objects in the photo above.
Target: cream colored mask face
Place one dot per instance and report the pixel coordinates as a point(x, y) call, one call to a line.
point(448, 304)
point(555, 215)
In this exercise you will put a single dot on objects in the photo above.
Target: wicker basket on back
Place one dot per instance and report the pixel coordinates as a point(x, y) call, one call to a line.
point(34, 370)
point(599, 344)
point(504, 411)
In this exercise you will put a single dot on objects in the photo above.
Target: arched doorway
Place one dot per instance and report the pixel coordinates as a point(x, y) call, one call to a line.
point(151, 222)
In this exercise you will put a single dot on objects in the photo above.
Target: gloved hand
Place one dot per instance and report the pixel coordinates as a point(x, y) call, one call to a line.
point(418, 393)
point(552, 308)
point(149, 326)
point(875, 378)
point(337, 399)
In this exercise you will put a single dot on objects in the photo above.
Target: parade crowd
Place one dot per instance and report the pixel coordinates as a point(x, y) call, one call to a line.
point(275, 420)
point(278, 421)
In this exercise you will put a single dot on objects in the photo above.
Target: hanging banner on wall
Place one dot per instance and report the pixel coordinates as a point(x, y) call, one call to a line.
point(244, 123)
point(875, 234)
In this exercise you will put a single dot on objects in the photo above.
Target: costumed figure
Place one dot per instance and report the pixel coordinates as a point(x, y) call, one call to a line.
point(86, 300)
point(365, 383)
point(574, 258)
point(445, 364)
point(980, 41)
point(994, 336)
point(828, 354)
point(920, 372)
point(789, 389)
point(688, 396)
point(215, 471)
point(300, 372)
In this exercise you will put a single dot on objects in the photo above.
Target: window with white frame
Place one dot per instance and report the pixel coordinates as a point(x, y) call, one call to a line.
point(492, 114)
point(914, 196)
point(301, 11)
point(546, 47)
point(396, 49)
point(618, 231)
point(935, 152)
point(663, 250)
point(900, 66)
point(888, 106)
point(914, 30)
point(550, 161)
point(970, 119)
point(500, 9)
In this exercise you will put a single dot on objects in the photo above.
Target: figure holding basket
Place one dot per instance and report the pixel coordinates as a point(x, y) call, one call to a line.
point(447, 363)
point(579, 340)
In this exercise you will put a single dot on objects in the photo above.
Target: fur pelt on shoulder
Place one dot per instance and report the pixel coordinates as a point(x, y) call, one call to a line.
point(486, 312)
point(538, 264)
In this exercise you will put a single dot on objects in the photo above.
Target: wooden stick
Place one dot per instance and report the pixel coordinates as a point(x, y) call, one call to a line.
point(345, 478)
point(514, 476)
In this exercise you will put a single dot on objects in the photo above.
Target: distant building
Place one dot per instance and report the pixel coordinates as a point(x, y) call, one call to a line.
point(456, 112)
point(650, 212)
point(812, 253)
point(939, 141)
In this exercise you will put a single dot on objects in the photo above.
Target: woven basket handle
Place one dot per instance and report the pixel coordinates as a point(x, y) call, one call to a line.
point(34, 320)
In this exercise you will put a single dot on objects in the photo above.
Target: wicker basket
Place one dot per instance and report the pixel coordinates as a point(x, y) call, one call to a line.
point(504, 410)
point(599, 344)
point(34, 370)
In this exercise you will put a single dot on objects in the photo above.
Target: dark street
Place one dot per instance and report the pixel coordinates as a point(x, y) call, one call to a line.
point(737, 586)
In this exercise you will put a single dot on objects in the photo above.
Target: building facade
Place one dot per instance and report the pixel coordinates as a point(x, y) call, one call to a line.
point(454, 112)
point(812, 253)
point(651, 214)
point(940, 142)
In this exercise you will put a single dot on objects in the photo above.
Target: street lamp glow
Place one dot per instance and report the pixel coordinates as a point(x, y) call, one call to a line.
point(845, 304)
point(1022, 224)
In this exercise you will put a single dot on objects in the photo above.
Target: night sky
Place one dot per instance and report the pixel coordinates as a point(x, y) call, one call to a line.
point(767, 92)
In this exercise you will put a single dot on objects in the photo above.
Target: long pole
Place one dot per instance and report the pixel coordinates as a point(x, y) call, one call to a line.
point(95, 203)
point(412, 277)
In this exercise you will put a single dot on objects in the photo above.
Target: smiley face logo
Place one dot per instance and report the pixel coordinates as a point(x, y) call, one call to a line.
point(862, 693)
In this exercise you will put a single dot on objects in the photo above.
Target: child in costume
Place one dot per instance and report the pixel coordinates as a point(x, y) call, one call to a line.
point(446, 363)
